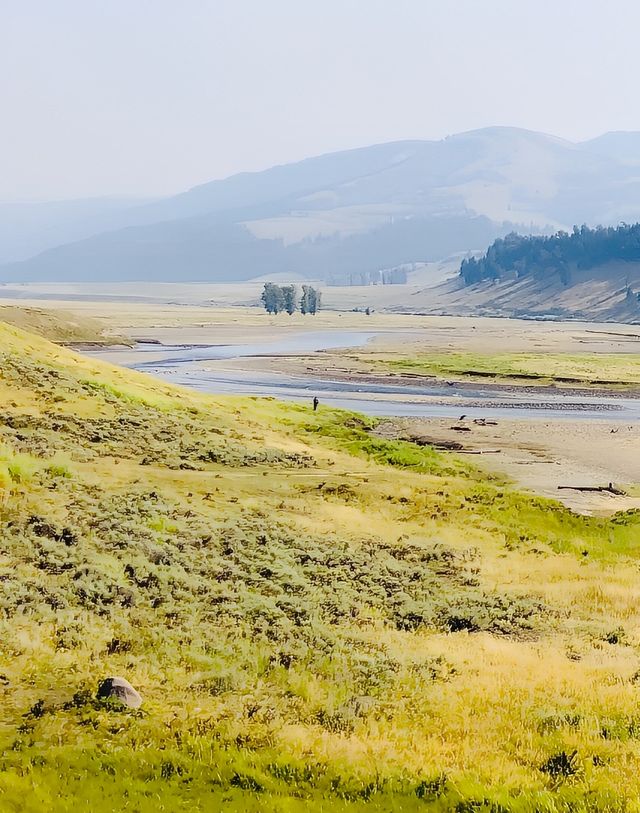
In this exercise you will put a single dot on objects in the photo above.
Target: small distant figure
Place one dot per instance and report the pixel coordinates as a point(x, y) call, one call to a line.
point(315, 402)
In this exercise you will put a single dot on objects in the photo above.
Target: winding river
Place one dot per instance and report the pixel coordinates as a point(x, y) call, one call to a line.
point(186, 365)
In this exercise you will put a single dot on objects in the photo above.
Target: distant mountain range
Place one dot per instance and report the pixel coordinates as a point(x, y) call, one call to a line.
point(360, 210)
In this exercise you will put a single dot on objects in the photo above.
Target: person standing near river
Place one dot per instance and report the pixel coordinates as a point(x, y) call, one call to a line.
point(315, 403)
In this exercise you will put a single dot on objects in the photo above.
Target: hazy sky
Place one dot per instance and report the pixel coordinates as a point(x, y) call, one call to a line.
point(150, 97)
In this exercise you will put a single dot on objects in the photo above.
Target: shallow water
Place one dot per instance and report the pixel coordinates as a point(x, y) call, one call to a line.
point(291, 345)
point(182, 365)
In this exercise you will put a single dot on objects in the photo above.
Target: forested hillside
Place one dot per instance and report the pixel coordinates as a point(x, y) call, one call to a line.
point(545, 256)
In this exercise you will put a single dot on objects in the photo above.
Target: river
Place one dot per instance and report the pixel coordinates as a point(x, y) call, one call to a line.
point(185, 365)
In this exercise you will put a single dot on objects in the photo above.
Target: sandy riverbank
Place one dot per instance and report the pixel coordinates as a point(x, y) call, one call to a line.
point(542, 455)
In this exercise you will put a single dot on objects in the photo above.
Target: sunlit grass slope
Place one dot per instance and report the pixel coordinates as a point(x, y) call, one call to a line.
point(60, 326)
point(317, 619)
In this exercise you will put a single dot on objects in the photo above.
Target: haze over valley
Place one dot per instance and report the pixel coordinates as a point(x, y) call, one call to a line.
point(336, 215)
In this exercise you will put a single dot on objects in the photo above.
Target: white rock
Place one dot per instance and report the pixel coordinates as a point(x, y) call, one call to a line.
point(120, 689)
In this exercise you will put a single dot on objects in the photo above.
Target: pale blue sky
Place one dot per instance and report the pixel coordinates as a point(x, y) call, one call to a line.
point(153, 96)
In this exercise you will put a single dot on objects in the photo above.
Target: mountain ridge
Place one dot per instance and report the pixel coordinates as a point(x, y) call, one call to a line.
point(300, 216)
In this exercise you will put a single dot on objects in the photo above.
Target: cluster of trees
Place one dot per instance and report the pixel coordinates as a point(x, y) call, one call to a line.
point(392, 276)
point(279, 298)
point(519, 256)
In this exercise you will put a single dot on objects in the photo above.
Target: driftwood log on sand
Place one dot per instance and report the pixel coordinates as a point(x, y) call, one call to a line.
point(610, 489)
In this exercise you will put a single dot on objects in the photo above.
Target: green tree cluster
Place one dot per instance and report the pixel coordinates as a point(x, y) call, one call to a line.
point(272, 298)
point(279, 298)
point(310, 301)
point(539, 256)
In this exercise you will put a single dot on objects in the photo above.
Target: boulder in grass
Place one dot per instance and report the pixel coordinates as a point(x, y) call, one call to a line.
point(119, 689)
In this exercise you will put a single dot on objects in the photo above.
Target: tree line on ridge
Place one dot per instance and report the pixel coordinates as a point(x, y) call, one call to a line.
point(520, 256)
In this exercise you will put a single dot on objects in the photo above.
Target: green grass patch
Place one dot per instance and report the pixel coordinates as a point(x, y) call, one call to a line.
point(589, 369)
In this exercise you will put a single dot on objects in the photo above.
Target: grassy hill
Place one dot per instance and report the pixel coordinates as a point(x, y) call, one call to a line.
point(316, 618)
point(60, 327)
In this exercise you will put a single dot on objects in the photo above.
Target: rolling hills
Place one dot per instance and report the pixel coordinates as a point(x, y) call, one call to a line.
point(354, 211)
point(314, 615)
